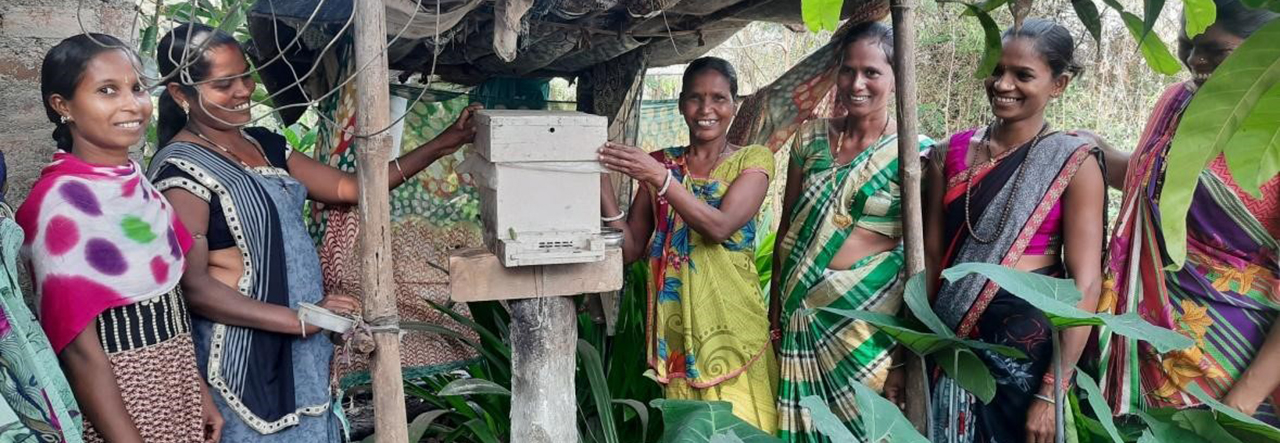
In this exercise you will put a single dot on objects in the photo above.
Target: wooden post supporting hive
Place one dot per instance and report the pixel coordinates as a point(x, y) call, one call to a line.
point(544, 332)
point(372, 153)
point(904, 38)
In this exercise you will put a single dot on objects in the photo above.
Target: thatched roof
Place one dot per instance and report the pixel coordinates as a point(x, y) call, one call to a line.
point(480, 39)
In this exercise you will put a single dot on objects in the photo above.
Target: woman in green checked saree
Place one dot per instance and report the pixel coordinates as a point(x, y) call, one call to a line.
point(841, 248)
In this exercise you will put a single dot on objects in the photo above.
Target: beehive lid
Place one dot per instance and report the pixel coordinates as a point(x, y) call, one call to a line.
point(539, 136)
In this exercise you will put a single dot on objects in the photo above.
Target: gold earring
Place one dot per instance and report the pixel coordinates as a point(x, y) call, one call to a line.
point(65, 119)
point(186, 108)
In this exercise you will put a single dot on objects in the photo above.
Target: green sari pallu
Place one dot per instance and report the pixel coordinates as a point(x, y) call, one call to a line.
point(823, 353)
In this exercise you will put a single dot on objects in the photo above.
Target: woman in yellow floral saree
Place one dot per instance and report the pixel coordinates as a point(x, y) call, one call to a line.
point(693, 219)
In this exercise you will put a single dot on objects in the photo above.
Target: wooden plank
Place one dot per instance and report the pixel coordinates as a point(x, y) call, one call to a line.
point(475, 274)
point(372, 154)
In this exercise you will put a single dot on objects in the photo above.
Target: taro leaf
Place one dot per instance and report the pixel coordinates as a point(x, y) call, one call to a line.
point(1199, 14)
point(1151, 10)
point(472, 386)
point(826, 421)
point(881, 419)
point(1153, 49)
point(420, 424)
point(1273, 5)
point(963, 366)
point(821, 15)
point(1147, 437)
point(726, 437)
point(1254, 152)
point(1087, 11)
point(991, 42)
point(1164, 431)
point(916, 296)
point(592, 365)
point(691, 421)
point(1100, 408)
point(1053, 295)
point(1204, 424)
point(1233, 418)
point(1210, 122)
point(921, 343)
point(1133, 326)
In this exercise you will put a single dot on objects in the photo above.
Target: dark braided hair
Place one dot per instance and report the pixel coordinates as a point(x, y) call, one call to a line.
point(63, 68)
point(184, 41)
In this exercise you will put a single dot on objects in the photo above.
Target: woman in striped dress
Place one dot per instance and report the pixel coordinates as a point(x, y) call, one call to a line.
point(841, 244)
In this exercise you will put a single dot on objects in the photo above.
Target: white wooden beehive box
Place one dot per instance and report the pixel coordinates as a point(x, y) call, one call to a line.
point(540, 185)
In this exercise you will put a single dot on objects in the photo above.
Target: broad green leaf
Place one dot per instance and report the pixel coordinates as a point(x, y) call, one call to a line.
point(420, 424)
point(992, 45)
point(826, 421)
point(691, 421)
point(1056, 298)
point(589, 358)
point(481, 431)
point(1153, 49)
point(1151, 10)
point(726, 437)
point(1208, 124)
point(1052, 295)
point(917, 299)
point(147, 46)
point(473, 386)
point(1231, 417)
point(1147, 437)
point(1205, 424)
point(986, 6)
point(1253, 154)
point(1273, 5)
point(881, 419)
point(963, 366)
point(1199, 15)
point(921, 343)
point(1088, 14)
point(821, 15)
point(1133, 326)
point(1165, 431)
point(1099, 405)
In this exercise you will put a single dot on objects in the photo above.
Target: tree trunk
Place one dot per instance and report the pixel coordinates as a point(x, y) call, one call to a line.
point(372, 154)
point(904, 37)
point(544, 336)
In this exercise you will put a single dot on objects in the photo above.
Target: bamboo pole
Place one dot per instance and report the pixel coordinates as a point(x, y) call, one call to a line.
point(904, 38)
point(373, 100)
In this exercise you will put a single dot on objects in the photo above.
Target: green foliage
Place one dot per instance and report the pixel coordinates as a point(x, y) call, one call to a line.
point(1273, 5)
point(881, 418)
point(1098, 405)
point(1087, 11)
point(1057, 297)
point(825, 421)
point(1256, 146)
point(821, 15)
point(1210, 126)
point(1200, 14)
point(764, 260)
point(991, 41)
point(690, 421)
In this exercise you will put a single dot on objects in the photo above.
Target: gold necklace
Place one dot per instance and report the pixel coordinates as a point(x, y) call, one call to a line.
point(232, 154)
point(842, 219)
